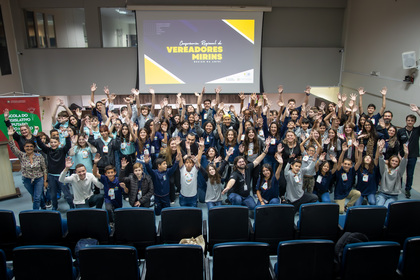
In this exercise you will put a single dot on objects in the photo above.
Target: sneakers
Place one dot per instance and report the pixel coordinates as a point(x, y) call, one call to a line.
point(407, 193)
point(48, 204)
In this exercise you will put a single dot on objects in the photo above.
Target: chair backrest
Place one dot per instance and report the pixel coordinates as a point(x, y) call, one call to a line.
point(9, 232)
point(305, 259)
point(87, 223)
point(5, 273)
point(409, 264)
point(135, 227)
point(43, 262)
point(318, 221)
point(227, 224)
point(174, 261)
point(370, 260)
point(179, 223)
point(401, 220)
point(274, 223)
point(369, 220)
point(241, 260)
point(41, 227)
point(109, 262)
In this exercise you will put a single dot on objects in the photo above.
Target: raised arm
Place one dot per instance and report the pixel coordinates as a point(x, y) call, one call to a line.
point(414, 108)
point(152, 109)
point(279, 159)
point(344, 149)
point(95, 171)
point(359, 160)
point(361, 91)
point(264, 153)
point(218, 90)
point(218, 126)
point(92, 95)
point(307, 93)
point(383, 92)
point(200, 99)
point(54, 113)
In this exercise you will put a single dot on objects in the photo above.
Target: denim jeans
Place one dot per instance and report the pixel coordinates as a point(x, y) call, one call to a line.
point(160, 203)
point(53, 183)
point(385, 199)
point(325, 197)
point(371, 199)
point(248, 201)
point(212, 204)
point(275, 200)
point(188, 201)
point(411, 165)
point(35, 188)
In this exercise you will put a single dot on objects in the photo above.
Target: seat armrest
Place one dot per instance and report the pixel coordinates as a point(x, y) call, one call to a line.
point(205, 236)
point(143, 272)
point(158, 232)
point(272, 273)
point(250, 230)
point(207, 269)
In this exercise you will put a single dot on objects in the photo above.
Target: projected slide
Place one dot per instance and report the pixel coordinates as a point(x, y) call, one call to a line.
point(186, 54)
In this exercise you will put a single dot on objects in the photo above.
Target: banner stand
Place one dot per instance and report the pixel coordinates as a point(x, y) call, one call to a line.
point(7, 185)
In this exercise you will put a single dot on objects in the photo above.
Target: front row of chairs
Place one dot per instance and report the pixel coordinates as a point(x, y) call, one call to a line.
point(296, 259)
point(272, 224)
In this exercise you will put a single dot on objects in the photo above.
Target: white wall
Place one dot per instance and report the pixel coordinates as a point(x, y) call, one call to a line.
point(10, 83)
point(377, 32)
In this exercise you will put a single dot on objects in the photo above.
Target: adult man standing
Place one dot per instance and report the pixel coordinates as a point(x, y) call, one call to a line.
point(410, 135)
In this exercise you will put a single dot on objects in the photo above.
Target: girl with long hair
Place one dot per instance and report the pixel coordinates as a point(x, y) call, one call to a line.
point(267, 185)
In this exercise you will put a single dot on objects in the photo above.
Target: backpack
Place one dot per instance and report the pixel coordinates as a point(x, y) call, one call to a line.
point(346, 238)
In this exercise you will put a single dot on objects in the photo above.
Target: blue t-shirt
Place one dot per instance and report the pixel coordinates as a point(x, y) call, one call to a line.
point(344, 183)
point(268, 193)
point(367, 182)
point(112, 191)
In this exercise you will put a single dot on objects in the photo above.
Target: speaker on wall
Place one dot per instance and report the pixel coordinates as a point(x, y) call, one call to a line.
point(409, 60)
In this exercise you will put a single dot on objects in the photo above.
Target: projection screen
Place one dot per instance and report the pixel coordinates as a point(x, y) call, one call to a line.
point(182, 51)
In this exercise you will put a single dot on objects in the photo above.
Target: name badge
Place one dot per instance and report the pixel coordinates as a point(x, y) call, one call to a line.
point(344, 176)
point(305, 158)
point(139, 195)
point(296, 177)
point(208, 139)
point(242, 137)
point(319, 179)
point(205, 116)
point(365, 177)
point(332, 148)
point(261, 133)
point(164, 177)
point(123, 145)
point(372, 120)
point(245, 187)
point(273, 141)
point(105, 149)
point(264, 187)
point(250, 152)
point(85, 154)
point(152, 149)
point(111, 194)
point(349, 143)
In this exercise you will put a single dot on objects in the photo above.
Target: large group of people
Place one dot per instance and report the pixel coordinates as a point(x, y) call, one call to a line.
point(210, 153)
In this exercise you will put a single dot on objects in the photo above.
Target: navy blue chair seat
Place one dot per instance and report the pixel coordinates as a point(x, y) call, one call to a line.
point(43, 262)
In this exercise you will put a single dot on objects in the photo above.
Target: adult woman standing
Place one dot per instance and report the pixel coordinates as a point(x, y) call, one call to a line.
point(105, 146)
point(25, 132)
point(34, 169)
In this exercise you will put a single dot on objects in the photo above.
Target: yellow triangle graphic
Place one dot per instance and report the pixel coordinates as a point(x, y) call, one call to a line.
point(156, 74)
point(245, 27)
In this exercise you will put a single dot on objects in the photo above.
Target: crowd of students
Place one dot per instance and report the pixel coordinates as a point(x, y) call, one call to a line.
point(209, 153)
